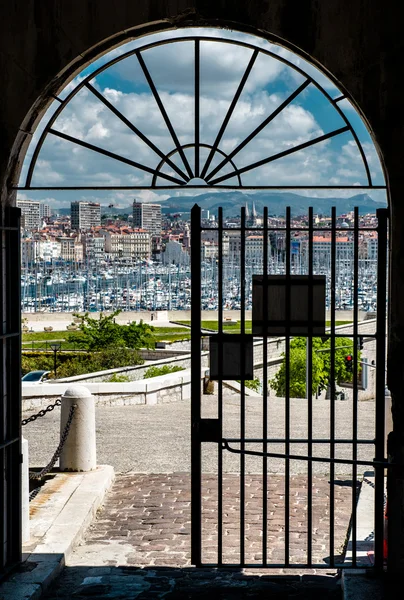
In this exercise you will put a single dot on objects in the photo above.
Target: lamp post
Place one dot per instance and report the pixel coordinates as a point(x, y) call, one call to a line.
point(55, 347)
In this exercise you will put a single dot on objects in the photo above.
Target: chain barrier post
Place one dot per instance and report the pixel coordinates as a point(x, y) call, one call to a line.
point(79, 449)
point(25, 491)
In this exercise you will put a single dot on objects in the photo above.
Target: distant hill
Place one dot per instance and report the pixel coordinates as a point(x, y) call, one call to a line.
point(276, 202)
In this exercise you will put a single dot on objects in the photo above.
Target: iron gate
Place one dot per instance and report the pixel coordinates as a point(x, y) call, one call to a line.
point(222, 517)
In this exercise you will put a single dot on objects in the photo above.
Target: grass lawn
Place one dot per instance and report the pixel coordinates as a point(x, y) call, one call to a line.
point(235, 327)
point(41, 339)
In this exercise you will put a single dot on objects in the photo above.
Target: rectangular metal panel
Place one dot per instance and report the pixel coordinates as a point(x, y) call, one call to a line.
point(235, 352)
point(307, 305)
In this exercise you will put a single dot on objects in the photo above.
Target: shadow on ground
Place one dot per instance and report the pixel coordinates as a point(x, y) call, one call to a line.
point(127, 583)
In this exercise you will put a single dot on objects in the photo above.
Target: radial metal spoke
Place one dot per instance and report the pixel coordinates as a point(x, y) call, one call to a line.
point(135, 130)
point(229, 113)
point(265, 161)
point(122, 159)
point(257, 130)
point(164, 113)
point(197, 99)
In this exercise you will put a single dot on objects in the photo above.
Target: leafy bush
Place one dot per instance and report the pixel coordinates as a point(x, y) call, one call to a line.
point(163, 370)
point(118, 378)
point(321, 366)
point(39, 362)
point(253, 384)
point(97, 334)
point(110, 358)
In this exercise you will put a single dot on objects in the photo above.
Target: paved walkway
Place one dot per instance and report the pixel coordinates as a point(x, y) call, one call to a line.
point(139, 546)
point(156, 439)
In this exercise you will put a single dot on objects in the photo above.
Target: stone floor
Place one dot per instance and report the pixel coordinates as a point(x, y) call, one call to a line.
point(139, 545)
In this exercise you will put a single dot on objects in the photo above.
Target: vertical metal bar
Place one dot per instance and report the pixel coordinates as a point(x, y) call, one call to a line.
point(196, 462)
point(4, 516)
point(287, 386)
point(265, 391)
point(382, 216)
point(196, 93)
point(220, 395)
point(13, 386)
point(332, 382)
point(310, 393)
point(355, 383)
point(242, 391)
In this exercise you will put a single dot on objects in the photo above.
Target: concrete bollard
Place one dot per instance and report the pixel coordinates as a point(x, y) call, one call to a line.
point(25, 491)
point(79, 450)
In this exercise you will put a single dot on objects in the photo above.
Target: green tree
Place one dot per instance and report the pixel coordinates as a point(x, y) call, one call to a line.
point(96, 334)
point(138, 335)
point(321, 366)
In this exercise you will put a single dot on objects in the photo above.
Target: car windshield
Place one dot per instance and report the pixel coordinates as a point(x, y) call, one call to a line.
point(34, 376)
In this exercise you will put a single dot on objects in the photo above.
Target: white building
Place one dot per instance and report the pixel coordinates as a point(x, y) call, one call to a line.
point(85, 215)
point(30, 214)
point(344, 249)
point(147, 217)
point(43, 250)
point(372, 245)
point(44, 210)
point(175, 253)
point(71, 249)
point(93, 246)
point(135, 244)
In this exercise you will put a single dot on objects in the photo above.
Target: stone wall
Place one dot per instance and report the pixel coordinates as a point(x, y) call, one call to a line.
point(173, 387)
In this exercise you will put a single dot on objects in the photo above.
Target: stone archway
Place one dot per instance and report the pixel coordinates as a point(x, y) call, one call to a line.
point(367, 62)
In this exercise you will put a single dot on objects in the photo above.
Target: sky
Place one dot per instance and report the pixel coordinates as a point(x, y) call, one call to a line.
point(335, 161)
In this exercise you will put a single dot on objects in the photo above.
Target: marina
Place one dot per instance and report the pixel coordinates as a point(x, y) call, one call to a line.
point(68, 287)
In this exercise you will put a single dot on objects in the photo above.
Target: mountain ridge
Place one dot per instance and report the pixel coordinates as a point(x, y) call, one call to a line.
point(232, 201)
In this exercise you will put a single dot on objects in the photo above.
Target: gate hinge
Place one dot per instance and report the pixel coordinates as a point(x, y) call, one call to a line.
point(210, 430)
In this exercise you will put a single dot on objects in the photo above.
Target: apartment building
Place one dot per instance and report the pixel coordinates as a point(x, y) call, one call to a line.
point(147, 217)
point(30, 214)
point(85, 215)
point(128, 244)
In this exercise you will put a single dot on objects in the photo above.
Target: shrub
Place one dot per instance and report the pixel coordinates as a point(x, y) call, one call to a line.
point(39, 362)
point(253, 384)
point(110, 358)
point(96, 334)
point(118, 378)
point(163, 370)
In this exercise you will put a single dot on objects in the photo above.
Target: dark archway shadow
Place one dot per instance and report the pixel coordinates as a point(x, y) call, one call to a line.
point(176, 583)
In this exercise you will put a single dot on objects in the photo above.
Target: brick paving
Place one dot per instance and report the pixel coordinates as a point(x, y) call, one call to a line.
point(139, 545)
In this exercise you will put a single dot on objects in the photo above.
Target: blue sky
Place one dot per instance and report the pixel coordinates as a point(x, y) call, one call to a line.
point(335, 161)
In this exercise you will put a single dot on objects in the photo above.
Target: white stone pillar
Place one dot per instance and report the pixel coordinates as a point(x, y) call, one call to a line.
point(25, 491)
point(79, 450)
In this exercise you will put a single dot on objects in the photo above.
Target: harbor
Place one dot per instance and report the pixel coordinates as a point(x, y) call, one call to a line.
point(152, 286)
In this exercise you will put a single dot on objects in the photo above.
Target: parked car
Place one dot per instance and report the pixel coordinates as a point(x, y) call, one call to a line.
point(35, 377)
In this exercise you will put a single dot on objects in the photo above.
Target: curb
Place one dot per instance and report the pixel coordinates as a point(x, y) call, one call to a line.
point(361, 583)
point(56, 529)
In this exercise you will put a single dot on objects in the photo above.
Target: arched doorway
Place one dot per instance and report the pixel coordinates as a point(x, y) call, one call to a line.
point(199, 162)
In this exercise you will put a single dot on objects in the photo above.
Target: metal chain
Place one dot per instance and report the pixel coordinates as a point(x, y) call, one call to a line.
point(63, 438)
point(41, 413)
point(34, 493)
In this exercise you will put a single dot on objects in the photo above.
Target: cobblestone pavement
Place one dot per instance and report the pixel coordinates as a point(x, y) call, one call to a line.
point(139, 545)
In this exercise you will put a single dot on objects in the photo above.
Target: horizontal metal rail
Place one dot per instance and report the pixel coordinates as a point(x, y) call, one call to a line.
point(296, 441)
point(343, 461)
